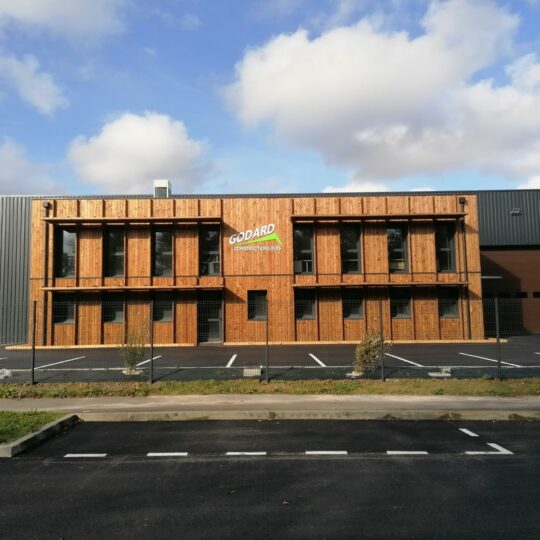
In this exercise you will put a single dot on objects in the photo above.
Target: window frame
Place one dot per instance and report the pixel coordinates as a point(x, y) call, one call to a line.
point(253, 302)
point(403, 227)
point(396, 298)
point(155, 232)
point(298, 302)
point(347, 314)
point(106, 252)
point(450, 249)
point(298, 256)
point(358, 230)
point(58, 252)
point(209, 253)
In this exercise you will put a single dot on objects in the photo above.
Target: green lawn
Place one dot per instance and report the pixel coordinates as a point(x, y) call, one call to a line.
point(418, 387)
point(16, 424)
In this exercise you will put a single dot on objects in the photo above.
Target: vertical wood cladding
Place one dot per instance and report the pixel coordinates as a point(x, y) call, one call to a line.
point(257, 267)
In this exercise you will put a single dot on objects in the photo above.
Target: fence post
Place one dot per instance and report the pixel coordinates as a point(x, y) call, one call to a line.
point(151, 341)
point(498, 336)
point(267, 361)
point(32, 371)
point(381, 333)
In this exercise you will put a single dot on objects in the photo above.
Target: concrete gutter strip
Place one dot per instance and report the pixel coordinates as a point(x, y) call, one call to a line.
point(33, 439)
point(269, 406)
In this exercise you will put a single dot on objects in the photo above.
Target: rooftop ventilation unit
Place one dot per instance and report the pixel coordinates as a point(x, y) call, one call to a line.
point(162, 189)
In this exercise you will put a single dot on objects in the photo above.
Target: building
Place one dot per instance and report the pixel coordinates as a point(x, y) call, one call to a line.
point(326, 266)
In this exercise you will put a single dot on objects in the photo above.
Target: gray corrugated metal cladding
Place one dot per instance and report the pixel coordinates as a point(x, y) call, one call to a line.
point(14, 259)
point(509, 218)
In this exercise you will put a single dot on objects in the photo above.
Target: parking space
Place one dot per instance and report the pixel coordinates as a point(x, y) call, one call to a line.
point(192, 439)
point(518, 354)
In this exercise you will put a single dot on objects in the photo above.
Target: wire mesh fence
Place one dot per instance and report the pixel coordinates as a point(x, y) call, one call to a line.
point(312, 336)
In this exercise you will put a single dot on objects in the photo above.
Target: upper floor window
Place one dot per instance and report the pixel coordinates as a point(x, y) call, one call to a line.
point(162, 252)
point(113, 252)
point(257, 305)
point(444, 246)
point(303, 249)
point(350, 248)
point(65, 241)
point(397, 248)
point(209, 252)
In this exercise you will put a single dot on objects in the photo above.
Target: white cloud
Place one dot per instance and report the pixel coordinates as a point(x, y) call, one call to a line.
point(531, 183)
point(18, 175)
point(356, 184)
point(33, 85)
point(131, 150)
point(391, 105)
point(73, 19)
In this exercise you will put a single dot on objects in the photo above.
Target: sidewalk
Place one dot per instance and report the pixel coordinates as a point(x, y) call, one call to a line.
point(264, 406)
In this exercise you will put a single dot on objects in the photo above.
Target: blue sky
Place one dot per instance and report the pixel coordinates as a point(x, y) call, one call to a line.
point(101, 96)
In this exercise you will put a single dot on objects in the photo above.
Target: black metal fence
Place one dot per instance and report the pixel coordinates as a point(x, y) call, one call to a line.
point(167, 338)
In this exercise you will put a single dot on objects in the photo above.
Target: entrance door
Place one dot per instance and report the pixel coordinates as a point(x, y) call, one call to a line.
point(209, 309)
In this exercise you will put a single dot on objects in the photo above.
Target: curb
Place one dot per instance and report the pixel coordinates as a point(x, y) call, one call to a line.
point(33, 439)
point(163, 416)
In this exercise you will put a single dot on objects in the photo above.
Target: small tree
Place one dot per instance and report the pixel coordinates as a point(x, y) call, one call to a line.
point(367, 355)
point(132, 351)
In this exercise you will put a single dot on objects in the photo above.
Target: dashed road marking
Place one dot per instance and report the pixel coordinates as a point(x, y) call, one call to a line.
point(468, 432)
point(62, 362)
point(404, 360)
point(489, 359)
point(85, 455)
point(146, 361)
point(499, 451)
point(231, 361)
point(322, 364)
point(246, 454)
point(406, 452)
point(326, 452)
point(167, 454)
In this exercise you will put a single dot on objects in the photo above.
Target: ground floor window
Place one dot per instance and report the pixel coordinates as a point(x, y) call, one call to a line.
point(112, 308)
point(163, 308)
point(256, 305)
point(63, 309)
point(400, 303)
point(304, 304)
point(448, 298)
point(352, 301)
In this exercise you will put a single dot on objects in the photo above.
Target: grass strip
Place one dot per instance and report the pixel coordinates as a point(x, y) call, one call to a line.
point(17, 424)
point(416, 387)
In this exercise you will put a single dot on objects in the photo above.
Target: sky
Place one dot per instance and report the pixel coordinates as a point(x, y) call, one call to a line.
point(268, 96)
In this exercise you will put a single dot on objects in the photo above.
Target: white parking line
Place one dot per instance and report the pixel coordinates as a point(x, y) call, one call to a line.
point(5, 357)
point(404, 360)
point(146, 361)
point(246, 454)
point(167, 454)
point(499, 451)
point(534, 353)
point(489, 359)
point(406, 452)
point(84, 455)
point(62, 362)
point(317, 360)
point(467, 432)
point(233, 358)
point(326, 452)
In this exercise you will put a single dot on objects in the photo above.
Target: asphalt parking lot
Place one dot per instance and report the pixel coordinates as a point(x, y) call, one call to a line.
point(277, 490)
point(520, 353)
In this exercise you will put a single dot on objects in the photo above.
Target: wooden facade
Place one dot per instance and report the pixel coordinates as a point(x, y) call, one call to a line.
point(267, 266)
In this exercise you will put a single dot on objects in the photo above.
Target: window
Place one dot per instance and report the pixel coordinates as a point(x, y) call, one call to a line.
point(448, 301)
point(113, 253)
point(352, 301)
point(209, 259)
point(304, 304)
point(162, 249)
point(536, 294)
point(64, 253)
point(303, 249)
point(521, 294)
point(397, 248)
point(113, 308)
point(400, 303)
point(63, 309)
point(350, 248)
point(444, 246)
point(163, 308)
point(257, 305)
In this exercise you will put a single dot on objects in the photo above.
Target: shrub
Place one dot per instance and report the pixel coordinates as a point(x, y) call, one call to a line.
point(367, 356)
point(132, 351)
